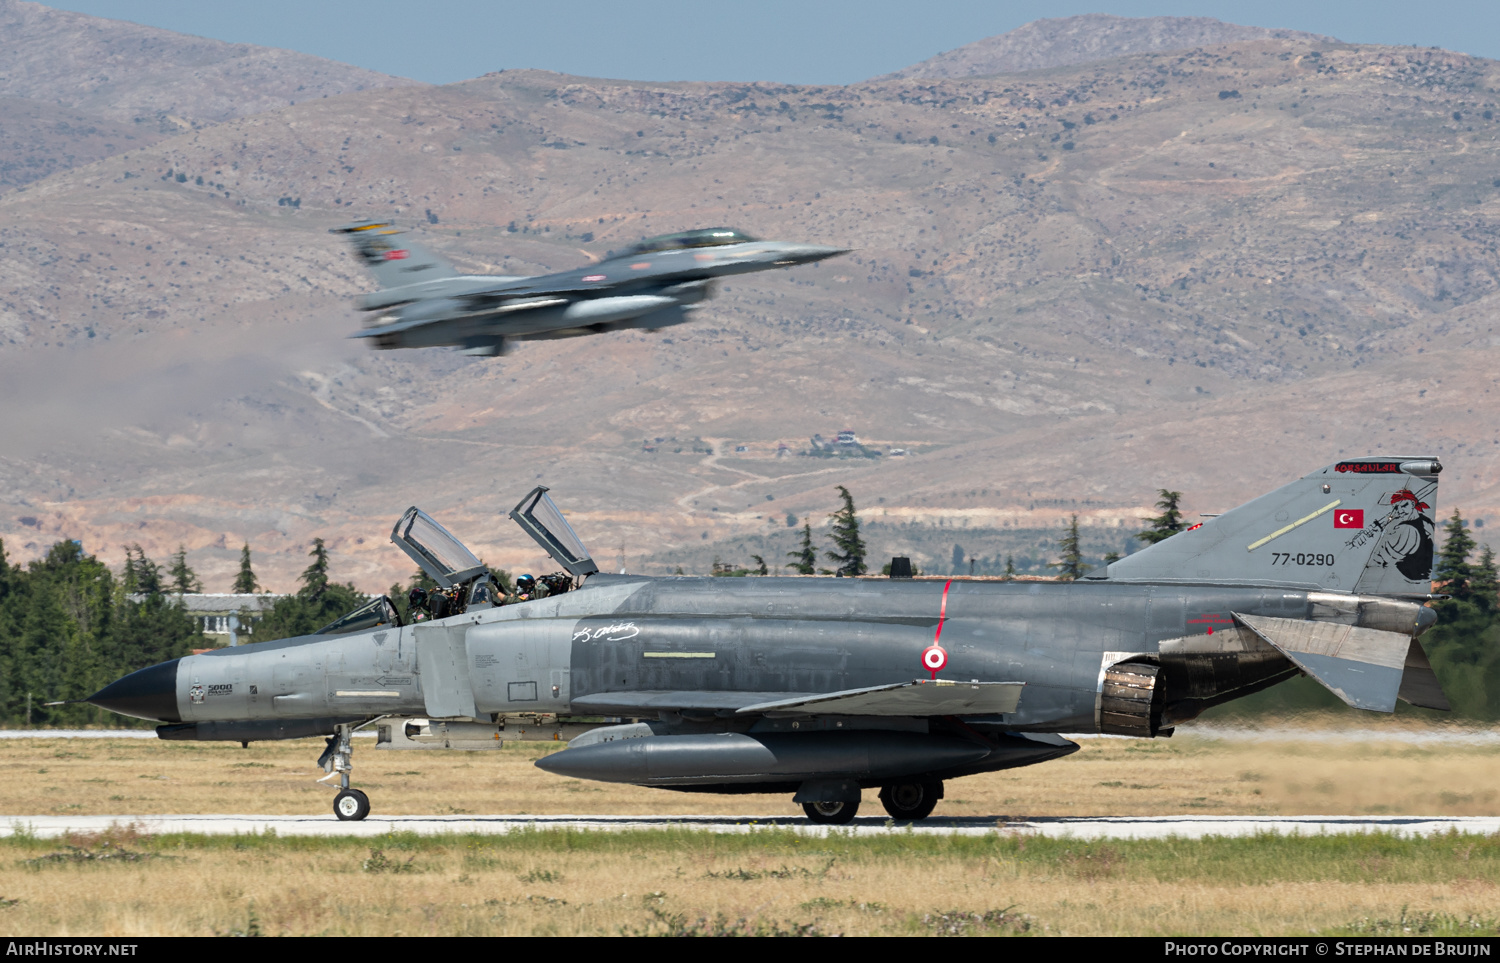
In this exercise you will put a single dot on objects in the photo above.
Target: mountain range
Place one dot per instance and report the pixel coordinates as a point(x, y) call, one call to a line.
point(1207, 264)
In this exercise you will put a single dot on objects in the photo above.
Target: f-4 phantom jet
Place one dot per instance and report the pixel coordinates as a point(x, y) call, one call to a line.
point(424, 302)
point(822, 688)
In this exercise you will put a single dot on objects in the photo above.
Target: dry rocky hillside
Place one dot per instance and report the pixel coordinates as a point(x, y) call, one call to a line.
point(1065, 41)
point(1208, 270)
point(75, 88)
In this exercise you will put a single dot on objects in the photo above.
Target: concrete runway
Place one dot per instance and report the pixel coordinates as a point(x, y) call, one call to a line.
point(1110, 827)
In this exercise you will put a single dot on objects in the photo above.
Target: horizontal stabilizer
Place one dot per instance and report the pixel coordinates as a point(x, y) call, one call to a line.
point(1419, 684)
point(1362, 666)
point(919, 698)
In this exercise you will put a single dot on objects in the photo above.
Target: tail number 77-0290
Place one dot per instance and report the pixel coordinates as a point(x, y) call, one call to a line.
point(1300, 558)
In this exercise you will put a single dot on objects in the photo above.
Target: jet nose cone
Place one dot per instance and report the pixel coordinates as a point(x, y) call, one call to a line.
point(807, 253)
point(149, 693)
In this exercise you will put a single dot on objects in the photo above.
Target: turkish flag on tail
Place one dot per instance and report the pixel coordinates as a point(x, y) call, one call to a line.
point(1349, 518)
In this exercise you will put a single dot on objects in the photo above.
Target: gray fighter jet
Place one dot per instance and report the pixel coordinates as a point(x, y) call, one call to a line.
point(424, 302)
point(825, 687)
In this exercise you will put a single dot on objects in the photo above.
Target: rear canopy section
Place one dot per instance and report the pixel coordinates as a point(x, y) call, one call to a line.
point(542, 520)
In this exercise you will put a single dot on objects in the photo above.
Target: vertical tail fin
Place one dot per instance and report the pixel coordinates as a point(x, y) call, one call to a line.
point(1361, 525)
point(394, 264)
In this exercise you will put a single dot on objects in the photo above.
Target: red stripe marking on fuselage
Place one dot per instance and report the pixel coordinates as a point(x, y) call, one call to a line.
point(942, 614)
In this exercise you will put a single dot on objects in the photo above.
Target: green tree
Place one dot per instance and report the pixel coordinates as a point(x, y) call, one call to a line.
point(850, 554)
point(245, 582)
point(1071, 565)
point(184, 580)
point(1010, 566)
point(314, 578)
point(142, 576)
point(1168, 523)
point(760, 566)
point(804, 559)
point(1452, 570)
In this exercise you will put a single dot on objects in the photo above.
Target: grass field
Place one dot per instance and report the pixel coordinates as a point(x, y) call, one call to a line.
point(682, 882)
point(1282, 775)
point(679, 881)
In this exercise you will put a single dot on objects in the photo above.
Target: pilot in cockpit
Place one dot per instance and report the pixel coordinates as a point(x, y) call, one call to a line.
point(527, 588)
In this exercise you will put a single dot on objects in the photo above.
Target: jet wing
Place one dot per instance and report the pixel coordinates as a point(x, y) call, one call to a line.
point(627, 702)
point(918, 698)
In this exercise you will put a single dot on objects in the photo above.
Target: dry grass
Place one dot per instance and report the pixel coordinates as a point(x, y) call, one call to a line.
point(1282, 775)
point(562, 883)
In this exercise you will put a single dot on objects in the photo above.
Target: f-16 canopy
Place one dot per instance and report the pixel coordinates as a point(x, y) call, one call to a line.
point(682, 240)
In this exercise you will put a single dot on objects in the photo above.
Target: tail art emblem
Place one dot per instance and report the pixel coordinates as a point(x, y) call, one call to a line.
point(934, 657)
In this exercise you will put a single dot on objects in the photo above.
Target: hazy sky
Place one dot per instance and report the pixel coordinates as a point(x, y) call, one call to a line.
point(797, 41)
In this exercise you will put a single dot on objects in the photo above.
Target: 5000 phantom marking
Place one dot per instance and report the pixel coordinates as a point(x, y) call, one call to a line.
point(824, 687)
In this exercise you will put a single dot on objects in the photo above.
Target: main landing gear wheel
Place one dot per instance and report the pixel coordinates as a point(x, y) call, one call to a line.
point(911, 800)
point(831, 813)
point(351, 804)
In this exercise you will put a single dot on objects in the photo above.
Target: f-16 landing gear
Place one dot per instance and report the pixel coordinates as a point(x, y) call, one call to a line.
point(911, 800)
point(338, 760)
point(831, 813)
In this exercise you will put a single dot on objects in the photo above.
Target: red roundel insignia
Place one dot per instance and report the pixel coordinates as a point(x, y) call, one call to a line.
point(397, 255)
point(934, 657)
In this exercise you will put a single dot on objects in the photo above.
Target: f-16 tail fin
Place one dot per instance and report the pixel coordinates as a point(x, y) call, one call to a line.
point(1360, 525)
point(394, 263)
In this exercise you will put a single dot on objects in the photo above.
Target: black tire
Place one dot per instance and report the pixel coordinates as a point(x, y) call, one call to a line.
point(911, 800)
point(831, 813)
point(351, 804)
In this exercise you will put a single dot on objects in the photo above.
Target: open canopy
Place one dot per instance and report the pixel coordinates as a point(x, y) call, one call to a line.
point(544, 522)
point(443, 557)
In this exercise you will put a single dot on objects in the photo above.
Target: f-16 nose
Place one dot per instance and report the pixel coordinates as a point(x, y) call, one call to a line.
point(149, 693)
point(806, 253)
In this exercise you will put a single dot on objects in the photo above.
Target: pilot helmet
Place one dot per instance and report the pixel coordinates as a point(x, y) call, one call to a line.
point(417, 598)
point(525, 583)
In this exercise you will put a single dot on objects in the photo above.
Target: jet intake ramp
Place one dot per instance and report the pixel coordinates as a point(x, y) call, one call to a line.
point(1367, 668)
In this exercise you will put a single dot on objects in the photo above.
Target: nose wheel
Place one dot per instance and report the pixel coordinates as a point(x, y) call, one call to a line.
point(351, 804)
point(338, 760)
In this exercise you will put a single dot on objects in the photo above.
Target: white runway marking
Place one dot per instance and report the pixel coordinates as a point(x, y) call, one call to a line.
point(1106, 827)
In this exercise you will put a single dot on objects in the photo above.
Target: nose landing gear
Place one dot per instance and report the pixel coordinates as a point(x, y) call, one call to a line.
point(338, 760)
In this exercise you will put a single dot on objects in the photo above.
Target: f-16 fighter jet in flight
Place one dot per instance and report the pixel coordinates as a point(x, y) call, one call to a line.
point(821, 688)
point(424, 302)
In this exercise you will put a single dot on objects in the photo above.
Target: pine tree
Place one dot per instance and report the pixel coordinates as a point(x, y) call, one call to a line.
point(315, 577)
point(184, 580)
point(1010, 566)
point(1071, 566)
point(1168, 523)
point(805, 558)
point(845, 536)
point(142, 576)
point(760, 566)
point(245, 582)
point(1486, 580)
point(1453, 569)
